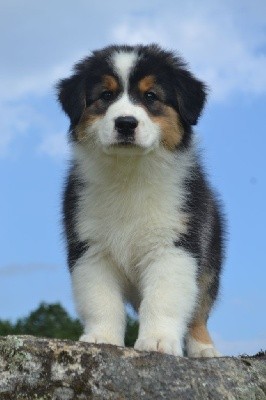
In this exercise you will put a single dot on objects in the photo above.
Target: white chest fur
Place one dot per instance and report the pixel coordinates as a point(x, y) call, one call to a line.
point(130, 206)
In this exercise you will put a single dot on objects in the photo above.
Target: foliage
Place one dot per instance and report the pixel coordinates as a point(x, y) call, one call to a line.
point(52, 321)
point(131, 332)
point(6, 328)
point(48, 320)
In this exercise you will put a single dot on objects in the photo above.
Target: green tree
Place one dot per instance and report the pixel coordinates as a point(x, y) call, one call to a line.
point(131, 332)
point(49, 320)
point(52, 321)
point(6, 328)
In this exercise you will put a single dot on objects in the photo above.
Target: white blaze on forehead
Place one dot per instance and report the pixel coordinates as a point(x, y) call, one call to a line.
point(123, 63)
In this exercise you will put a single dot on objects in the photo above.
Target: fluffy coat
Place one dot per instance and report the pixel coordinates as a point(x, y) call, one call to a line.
point(142, 224)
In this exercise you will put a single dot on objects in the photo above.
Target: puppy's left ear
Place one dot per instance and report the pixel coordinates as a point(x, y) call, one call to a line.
point(71, 95)
point(191, 96)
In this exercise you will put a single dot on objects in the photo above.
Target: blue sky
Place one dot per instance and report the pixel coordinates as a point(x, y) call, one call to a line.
point(225, 45)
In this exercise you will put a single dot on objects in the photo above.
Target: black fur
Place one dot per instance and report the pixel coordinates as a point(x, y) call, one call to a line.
point(75, 247)
point(187, 95)
point(205, 236)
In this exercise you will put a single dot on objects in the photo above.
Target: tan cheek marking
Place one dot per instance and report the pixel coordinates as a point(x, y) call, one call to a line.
point(110, 83)
point(200, 333)
point(146, 83)
point(171, 128)
point(86, 120)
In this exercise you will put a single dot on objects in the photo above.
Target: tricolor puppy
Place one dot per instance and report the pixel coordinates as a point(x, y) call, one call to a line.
point(141, 222)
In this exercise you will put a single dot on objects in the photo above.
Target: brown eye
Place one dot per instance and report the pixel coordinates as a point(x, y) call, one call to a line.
point(107, 95)
point(150, 97)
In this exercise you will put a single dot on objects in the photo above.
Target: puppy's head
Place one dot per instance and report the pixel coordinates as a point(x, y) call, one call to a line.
point(127, 99)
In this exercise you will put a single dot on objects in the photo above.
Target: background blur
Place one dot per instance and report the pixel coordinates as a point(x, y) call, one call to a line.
point(225, 45)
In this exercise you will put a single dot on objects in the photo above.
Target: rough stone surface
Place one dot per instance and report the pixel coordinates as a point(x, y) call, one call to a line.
point(44, 369)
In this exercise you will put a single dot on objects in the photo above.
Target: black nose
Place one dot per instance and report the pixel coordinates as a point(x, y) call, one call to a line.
point(126, 124)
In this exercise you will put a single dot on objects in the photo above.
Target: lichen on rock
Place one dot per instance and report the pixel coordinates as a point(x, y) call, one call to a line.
point(43, 369)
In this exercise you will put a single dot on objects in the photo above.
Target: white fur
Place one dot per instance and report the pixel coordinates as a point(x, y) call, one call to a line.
point(103, 132)
point(197, 349)
point(147, 133)
point(123, 63)
point(169, 293)
point(99, 299)
point(131, 213)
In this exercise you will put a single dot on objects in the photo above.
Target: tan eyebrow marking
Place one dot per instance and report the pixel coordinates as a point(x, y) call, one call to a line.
point(110, 83)
point(146, 83)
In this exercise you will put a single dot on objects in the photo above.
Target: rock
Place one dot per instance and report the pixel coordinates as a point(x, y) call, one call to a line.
point(44, 369)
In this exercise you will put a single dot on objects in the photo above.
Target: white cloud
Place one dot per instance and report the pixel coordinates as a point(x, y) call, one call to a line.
point(134, 32)
point(39, 82)
point(54, 145)
point(220, 47)
point(15, 120)
point(39, 45)
point(22, 119)
point(224, 43)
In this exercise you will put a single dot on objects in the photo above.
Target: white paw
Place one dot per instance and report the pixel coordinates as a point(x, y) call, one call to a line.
point(208, 352)
point(161, 344)
point(197, 349)
point(94, 338)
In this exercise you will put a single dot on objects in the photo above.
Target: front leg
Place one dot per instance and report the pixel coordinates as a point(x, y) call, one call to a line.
point(169, 292)
point(98, 297)
point(199, 342)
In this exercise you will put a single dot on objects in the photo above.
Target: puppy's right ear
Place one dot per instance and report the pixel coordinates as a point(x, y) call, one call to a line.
point(71, 95)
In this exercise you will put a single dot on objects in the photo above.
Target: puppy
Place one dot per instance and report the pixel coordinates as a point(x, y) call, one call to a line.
point(142, 224)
